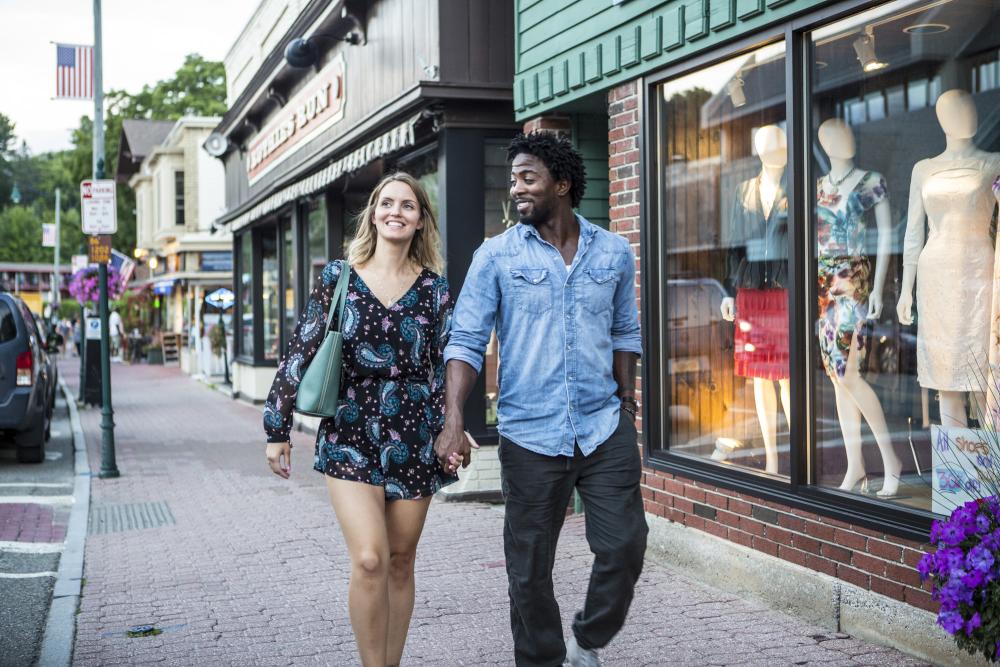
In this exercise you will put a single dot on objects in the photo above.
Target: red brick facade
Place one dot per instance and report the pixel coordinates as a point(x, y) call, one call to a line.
point(866, 558)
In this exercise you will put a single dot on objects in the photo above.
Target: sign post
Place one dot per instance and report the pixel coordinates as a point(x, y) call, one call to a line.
point(97, 197)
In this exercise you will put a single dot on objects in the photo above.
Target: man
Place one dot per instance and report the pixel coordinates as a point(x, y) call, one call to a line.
point(115, 331)
point(560, 293)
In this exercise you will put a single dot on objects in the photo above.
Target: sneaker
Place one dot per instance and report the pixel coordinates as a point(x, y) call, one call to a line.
point(579, 656)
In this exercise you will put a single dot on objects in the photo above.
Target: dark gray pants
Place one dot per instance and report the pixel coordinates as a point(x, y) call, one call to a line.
point(537, 490)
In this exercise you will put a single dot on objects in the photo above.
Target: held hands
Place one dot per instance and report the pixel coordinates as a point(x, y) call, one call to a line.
point(904, 309)
point(728, 308)
point(279, 458)
point(453, 448)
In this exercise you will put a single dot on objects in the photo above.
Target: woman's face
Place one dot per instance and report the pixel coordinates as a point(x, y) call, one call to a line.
point(397, 213)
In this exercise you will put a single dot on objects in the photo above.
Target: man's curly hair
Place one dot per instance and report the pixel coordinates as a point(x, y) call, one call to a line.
point(558, 155)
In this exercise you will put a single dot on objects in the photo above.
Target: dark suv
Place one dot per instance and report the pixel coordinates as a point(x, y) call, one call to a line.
point(27, 380)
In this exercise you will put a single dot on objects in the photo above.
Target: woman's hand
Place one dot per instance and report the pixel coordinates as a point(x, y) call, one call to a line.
point(279, 457)
point(455, 459)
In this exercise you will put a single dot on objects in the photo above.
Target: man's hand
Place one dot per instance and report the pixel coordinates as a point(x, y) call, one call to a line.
point(279, 458)
point(453, 447)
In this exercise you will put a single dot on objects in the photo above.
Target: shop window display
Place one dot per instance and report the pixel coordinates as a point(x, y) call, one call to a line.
point(722, 224)
point(904, 235)
point(270, 307)
point(246, 294)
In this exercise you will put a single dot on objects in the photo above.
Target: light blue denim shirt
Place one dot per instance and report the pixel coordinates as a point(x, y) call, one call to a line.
point(557, 329)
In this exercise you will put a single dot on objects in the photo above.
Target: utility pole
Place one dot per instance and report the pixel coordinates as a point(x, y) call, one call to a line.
point(109, 467)
point(55, 265)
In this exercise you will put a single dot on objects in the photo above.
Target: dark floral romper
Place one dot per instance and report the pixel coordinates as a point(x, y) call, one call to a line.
point(391, 403)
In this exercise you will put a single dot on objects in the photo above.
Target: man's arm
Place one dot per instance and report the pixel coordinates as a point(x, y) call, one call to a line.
point(624, 371)
point(626, 338)
point(459, 381)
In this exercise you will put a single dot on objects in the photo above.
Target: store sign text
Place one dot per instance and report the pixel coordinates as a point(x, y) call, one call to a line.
point(317, 106)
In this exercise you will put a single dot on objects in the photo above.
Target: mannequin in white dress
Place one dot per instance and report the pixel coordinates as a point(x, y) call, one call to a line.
point(771, 145)
point(845, 196)
point(955, 267)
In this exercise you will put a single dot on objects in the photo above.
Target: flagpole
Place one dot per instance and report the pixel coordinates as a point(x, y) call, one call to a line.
point(109, 468)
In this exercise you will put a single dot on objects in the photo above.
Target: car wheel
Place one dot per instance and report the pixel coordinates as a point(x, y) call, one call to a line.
point(31, 443)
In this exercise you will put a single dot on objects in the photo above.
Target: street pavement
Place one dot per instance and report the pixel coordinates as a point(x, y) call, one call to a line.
point(35, 502)
point(236, 566)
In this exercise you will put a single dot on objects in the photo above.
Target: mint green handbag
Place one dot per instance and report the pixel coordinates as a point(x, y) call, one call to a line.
point(320, 386)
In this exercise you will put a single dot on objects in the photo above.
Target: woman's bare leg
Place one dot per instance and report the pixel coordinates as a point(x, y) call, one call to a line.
point(404, 522)
point(361, 512)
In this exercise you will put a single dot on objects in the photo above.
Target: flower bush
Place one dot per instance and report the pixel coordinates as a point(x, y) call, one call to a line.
point(964, 570)
point(83, 286)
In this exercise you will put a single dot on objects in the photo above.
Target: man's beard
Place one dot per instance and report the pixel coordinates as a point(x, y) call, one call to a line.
point(539, 214)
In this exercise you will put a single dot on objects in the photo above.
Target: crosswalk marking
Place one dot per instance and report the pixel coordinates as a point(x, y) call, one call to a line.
point(25, 575)
point(36, 485)
point(32, 547)
point(36, 500)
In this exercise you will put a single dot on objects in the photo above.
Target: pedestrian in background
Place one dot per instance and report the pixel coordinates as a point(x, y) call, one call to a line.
point(115, 330)
point(378, 452)
point(559, 291)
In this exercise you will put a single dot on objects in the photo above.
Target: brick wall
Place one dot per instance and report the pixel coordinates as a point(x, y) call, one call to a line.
point(872, 560)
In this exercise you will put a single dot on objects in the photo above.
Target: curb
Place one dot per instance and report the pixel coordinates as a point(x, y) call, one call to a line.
point(60, 624)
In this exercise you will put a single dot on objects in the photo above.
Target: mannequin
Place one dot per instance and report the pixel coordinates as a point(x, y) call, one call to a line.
point(993, 393)
point(845, 196)
point(952, 191)
point(760, 217)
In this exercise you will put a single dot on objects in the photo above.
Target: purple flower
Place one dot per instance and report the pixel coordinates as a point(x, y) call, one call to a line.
point(972, 624)
point(982, 524)
point(952, 533)
point(925, 565)
point(951, 621)
point(973, 579)
point(947, 560)
point(979, 559)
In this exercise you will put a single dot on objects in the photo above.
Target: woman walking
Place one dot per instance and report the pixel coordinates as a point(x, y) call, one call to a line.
point(378, 452)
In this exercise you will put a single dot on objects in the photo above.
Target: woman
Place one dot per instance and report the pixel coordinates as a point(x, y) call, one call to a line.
point(377, 453)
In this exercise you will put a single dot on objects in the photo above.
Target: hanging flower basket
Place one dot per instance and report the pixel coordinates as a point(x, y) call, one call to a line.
point(84, 287)
point(964, 570)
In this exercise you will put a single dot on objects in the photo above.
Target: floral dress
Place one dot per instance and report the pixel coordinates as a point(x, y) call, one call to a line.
point(391, 404)
point(844, 271)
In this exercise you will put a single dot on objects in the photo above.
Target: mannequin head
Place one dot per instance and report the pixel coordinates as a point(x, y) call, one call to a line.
point(771, 146)
point(956, 112)
point(837, 139)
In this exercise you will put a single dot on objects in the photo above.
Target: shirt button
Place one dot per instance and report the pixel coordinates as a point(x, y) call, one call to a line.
point(571, 408)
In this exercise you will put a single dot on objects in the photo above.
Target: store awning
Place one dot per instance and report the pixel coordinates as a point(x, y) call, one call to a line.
point(389, 142)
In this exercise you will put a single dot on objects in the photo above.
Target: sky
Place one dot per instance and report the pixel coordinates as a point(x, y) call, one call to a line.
point(144, 41)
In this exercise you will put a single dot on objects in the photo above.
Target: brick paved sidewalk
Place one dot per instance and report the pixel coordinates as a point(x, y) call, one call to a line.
point(239, 567)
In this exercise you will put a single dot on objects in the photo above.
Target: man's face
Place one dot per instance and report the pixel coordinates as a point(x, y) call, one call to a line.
point(534, 191)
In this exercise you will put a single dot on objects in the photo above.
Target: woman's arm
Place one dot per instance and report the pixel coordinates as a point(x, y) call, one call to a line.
point(302, 347)
point(442, 331)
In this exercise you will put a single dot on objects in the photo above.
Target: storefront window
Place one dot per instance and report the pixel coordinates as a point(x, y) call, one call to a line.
point(316, 254)
point(271, 315)
point(722, 228)
point(246, 295)
point(288, 287)
point(904, 137)
point(498, 215)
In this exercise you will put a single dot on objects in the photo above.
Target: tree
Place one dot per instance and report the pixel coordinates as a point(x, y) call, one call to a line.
point(6, 142)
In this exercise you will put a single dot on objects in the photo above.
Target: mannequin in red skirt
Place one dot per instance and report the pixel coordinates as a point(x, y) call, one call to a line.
point(759, 267)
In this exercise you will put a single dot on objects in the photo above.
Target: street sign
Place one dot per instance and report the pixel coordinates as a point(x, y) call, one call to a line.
point(99, 249)
point(100, 212)
point(221, 298)
point(93, 330)
point(48, 235)
point(79, 262)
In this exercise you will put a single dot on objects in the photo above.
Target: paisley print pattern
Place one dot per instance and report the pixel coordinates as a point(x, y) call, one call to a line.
point(392, 394)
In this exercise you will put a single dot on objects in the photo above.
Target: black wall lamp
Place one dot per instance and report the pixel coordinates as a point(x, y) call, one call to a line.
point(304, 52)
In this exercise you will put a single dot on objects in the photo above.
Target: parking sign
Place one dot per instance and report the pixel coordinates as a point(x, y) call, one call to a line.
point(100, 213)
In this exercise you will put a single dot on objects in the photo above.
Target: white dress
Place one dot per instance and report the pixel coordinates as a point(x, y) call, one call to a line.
point(954, 268)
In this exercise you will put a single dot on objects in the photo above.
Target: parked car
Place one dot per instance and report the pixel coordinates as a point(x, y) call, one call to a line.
point(27, 380)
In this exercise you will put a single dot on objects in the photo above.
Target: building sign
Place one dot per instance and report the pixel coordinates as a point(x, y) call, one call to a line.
point(221, 298)
point(100, 210)
point(316, 107)
point(163, 287)
point(48, 235)
point(963, 463)
point(99, 249)
point(217, 261)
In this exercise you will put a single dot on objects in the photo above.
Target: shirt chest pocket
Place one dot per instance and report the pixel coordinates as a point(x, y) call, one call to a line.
point(598, 290)
point(532, 290)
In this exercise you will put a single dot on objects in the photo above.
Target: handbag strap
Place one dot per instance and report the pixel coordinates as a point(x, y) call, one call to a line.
point(339, 294)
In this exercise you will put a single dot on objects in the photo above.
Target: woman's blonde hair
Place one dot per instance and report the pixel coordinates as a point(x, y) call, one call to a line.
point(425, 249)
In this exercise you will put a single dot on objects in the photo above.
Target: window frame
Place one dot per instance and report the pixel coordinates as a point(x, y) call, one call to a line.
point(179, 204)
point(799, 490)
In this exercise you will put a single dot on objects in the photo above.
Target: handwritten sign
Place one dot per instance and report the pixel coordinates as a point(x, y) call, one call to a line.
point(961, 459)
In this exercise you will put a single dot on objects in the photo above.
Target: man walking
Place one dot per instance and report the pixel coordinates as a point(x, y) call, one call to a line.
point(560, 293)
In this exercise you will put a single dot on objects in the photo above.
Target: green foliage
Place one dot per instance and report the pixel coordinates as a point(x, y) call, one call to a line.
point(197, 88)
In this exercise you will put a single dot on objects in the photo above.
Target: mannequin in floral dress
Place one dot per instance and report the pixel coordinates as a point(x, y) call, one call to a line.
point(848, 297)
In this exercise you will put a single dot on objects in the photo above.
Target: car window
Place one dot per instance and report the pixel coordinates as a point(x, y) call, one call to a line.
point(29, 321)
point(8, 329)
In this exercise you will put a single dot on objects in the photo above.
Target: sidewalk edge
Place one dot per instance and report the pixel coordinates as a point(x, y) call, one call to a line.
point(60, 625)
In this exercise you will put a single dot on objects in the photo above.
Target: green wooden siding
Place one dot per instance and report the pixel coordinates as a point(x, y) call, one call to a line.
point(568, 49)
point(590, 136)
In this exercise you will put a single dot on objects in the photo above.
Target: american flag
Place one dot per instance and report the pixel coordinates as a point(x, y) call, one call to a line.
point(74, 72)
